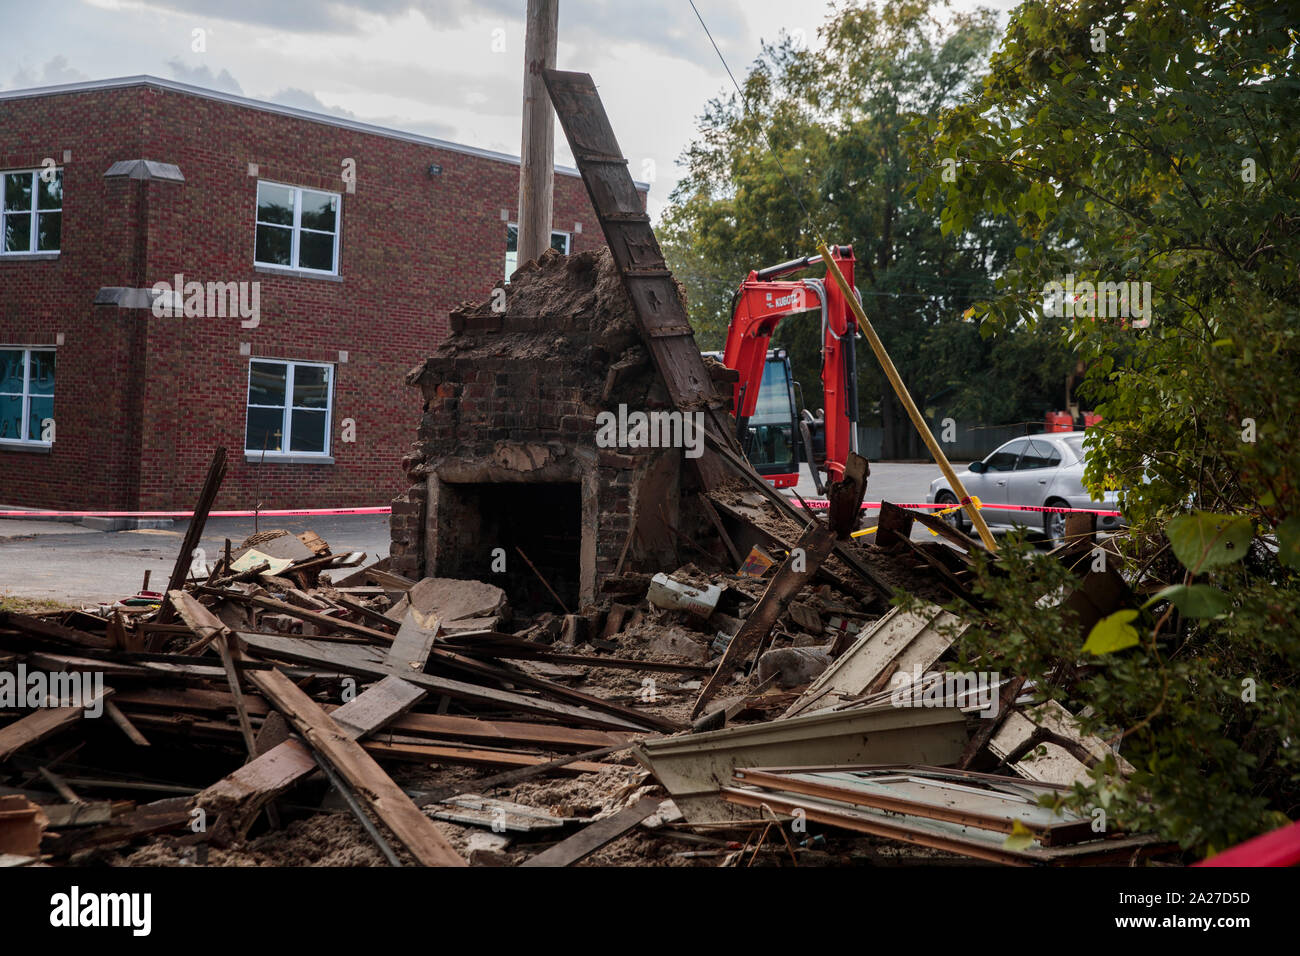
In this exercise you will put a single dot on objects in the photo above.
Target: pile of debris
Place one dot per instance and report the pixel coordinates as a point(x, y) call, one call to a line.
point(282, 706)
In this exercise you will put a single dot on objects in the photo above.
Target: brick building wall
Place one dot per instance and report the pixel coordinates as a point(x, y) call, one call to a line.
point(140, 401)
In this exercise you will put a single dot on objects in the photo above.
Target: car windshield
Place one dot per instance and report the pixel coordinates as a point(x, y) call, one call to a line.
point(1075, 445)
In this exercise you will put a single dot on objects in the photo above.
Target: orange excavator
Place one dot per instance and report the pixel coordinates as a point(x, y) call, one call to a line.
point(770, 425)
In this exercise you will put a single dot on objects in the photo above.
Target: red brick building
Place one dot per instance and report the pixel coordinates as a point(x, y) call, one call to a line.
point(320, 258)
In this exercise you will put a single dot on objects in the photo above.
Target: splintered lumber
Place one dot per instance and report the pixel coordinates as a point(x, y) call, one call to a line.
point(194, 532)
point(48, 629)
point(796, 571)
point(166, 814)
point(316, 617)
point(241, 795)
point(43, 723)
point(124, 723)
point(843, 549)
point(906, 641)
point(375, 788)
point(369, 662)
point(207, 624)
point(591, 838)
point(844, 503)
point(410, 749)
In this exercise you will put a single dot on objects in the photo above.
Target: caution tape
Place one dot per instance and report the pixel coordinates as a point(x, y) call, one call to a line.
point(265, 513)
point(938, 514)
point(820, 503)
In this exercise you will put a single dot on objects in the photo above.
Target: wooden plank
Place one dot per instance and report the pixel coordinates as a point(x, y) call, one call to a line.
point(366, 661)
point(375, 788)
point(591, 838)
point(194, 531)
point(240, 796)
point(40, 627)
point(43, 723)
point(475, 756)
point(414, 641)
point(206, 624)
point(810, 551)
point(124, 724)
point(660, 312)
point(325, 620)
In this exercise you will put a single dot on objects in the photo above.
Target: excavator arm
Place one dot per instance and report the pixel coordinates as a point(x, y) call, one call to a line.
point(760, 303)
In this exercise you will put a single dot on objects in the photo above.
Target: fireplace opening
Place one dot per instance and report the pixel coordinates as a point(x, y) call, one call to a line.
point(541, 519)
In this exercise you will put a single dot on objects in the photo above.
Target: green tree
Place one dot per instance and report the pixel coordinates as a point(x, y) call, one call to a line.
point(1160, 144)
point(837, 120)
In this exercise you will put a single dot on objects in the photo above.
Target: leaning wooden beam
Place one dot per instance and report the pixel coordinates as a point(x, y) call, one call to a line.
point(204, 623)
point(194, 532)
point(366, 661)
point(240, 796)
point(594, 836)
point(124, 724)
point(384, 798)
point(796, 571)
point(658, 307)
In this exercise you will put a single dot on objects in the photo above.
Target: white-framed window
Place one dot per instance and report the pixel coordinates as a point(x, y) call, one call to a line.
point(297, 228)
point(31, 211)
point(290, 405)
point(26, 395)
point(560, 242)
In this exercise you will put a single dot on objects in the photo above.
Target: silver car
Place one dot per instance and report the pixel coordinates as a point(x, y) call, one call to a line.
point(1037, 471)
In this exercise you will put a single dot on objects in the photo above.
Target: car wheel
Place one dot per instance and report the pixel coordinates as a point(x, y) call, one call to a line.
point(957, 519)
point(1054, 523)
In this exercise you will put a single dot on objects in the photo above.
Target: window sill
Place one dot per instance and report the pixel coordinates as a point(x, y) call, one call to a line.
point(29, 256)
point(32, 448)
point(280, 459)
point(300, 273)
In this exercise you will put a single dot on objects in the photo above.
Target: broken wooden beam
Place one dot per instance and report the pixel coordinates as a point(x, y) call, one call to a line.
point(372, 785)
point(241, 795)
point(797, 570)
point(596, 835)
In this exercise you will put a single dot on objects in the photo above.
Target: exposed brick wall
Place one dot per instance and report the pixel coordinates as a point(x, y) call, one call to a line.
point(141, 401)
point(514, 397)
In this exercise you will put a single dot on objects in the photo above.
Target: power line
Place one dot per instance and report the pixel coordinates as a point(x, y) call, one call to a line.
point(763, 129)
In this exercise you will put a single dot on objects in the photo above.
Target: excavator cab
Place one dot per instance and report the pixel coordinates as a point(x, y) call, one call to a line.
point(772, 441)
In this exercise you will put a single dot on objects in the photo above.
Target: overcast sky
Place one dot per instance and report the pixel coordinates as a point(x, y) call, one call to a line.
point(445, 68)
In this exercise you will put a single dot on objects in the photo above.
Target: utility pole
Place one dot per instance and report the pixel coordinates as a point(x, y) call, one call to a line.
point(537, 155)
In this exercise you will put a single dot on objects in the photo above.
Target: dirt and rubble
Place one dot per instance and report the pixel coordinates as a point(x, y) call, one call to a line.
point(560, 765)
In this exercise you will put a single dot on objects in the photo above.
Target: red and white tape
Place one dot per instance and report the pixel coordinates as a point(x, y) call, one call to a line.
point(873, 505)
point(267, 513)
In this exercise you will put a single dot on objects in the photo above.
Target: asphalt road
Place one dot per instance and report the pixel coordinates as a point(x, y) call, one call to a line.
point(70, 564)
point(75, 565)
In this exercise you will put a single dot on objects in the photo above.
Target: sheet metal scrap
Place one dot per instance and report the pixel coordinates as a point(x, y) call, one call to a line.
point(975, 815)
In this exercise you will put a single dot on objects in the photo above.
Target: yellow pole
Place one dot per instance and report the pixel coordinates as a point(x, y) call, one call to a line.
point(900, 389)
